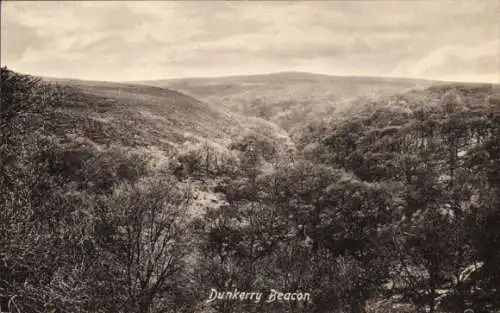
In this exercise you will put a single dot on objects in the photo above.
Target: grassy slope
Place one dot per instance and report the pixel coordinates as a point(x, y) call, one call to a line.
point(147, 115)
point(289, 99)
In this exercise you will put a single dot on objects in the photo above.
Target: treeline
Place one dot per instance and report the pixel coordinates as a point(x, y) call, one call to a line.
point(395, 209)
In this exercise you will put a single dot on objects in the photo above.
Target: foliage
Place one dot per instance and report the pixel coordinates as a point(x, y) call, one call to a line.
point(393, 208)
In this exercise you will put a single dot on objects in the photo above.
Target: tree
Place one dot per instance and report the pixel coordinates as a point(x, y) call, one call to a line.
point(154, 243)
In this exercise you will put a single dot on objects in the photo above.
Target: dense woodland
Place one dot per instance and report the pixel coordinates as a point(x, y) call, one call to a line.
point(391, 207)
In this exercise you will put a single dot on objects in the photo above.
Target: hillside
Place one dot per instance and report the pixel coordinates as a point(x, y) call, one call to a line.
point(162, 116)
point(289, 99)
point(470, 100)
point(84, 163)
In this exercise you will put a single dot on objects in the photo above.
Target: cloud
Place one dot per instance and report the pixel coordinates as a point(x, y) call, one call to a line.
point(456, 62)
point(17, 39)
point(146, 40)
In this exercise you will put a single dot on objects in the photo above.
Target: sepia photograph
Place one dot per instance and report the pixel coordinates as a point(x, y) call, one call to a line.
point(250, 156)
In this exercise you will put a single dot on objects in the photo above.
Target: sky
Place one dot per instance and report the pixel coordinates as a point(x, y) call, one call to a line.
point(138, 40)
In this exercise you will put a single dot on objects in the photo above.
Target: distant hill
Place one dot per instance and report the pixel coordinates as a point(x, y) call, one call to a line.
point(289, 99)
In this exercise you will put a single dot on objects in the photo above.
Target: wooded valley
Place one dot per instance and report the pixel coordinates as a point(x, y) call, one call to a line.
point(134, 198)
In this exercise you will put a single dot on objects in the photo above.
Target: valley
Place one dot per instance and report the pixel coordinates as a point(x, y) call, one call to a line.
point(371, 194)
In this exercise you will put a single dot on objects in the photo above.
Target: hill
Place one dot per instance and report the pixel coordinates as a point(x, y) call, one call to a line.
point(161, 116)
point(85, 162)
point(431, 118)
point(291, 98)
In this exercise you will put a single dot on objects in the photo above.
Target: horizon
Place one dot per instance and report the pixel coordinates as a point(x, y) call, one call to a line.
point(127, 42)
point(44, 77)
point(249, 75)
